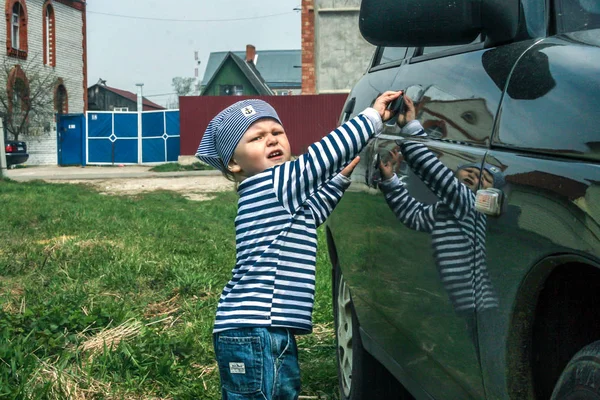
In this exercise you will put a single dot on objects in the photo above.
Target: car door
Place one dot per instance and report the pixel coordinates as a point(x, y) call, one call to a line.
point(395, 274)
point(546, 141)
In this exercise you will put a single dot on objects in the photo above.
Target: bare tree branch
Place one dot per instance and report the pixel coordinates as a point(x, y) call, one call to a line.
point(27, 103)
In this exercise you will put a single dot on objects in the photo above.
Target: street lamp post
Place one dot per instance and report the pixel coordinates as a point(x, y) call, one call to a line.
point(140, 108)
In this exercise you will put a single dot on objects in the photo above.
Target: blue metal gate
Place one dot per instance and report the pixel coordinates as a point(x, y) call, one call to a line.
point(71, 146)
point(132, 138)
point(160, 136)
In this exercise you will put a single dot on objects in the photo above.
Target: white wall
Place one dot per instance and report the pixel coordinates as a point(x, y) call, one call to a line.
point(69, 66)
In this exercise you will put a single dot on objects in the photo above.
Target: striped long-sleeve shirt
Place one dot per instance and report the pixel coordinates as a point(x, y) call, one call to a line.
point(279, 210)
point(458, 250)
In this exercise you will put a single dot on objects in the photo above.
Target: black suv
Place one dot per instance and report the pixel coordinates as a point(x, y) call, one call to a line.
point(511, 86)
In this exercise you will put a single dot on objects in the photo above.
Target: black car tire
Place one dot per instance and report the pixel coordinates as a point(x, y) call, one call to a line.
point(360, 375)
point(580, 379)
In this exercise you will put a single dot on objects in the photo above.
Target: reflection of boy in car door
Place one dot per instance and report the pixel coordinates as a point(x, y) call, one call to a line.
point(460, 257)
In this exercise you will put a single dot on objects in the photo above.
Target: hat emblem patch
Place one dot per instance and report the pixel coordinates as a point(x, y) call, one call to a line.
point(248, 111)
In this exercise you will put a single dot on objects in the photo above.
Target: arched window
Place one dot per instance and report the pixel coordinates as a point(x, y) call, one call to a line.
point(49, 30)
point(61, 99)
point(17, 89)
point(16, 28)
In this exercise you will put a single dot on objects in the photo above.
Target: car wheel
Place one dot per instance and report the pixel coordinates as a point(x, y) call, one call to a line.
point(360, 375)
point(580, 380)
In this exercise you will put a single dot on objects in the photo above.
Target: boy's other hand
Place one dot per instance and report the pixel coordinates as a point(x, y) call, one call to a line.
point(387, 167)
point(350, 167)
point(409, 112)
point(381, 103)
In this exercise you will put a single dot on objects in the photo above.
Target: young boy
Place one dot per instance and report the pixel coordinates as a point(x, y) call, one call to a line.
point(270, 296)
point(459, 252)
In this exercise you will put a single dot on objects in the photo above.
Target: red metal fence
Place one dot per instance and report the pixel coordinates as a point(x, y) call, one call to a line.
point(306, 119)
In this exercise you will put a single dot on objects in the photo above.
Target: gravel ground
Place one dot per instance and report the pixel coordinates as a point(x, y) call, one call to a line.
point(129, 180)
point(195, 188)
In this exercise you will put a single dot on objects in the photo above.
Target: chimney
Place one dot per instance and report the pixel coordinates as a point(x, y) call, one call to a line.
point(250, 53)
point(309, 79)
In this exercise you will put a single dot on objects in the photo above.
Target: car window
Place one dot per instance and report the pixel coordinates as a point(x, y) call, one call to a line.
point(577, 15)
point(390, 54)
point(436, 49)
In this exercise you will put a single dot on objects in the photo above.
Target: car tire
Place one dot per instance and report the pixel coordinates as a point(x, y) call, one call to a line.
point(580, 379)
point(360, 375)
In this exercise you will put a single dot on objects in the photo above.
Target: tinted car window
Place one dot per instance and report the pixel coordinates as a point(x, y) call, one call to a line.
point(577, 15)
point(391, 54)
point(436, 49)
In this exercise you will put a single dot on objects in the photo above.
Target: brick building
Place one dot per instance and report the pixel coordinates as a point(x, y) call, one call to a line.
point(334, 54)
point(49, 35)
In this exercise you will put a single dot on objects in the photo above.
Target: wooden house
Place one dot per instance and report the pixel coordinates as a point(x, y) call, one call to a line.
point(105, 98)
point(279, 70)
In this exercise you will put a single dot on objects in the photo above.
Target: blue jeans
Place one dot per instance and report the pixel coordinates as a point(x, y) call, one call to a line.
point(258, 363)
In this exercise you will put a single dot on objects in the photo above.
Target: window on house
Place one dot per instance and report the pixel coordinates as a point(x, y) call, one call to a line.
point(231, 90)
point(18, 93)
point(16, 29)
point(61, 100)
point(121, 109)
point(49, 35)
point(15, 25)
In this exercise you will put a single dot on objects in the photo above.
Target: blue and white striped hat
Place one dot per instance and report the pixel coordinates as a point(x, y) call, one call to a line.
point(226, 129)
point(493, 170)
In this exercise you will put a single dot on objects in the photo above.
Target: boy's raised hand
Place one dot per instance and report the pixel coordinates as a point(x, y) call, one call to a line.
point(409, 112)
point(381, 103)
point(387, 167)
point(350, 167)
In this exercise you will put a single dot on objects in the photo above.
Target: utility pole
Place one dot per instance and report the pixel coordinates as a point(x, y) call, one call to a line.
point(140, 108)
point(197, 82)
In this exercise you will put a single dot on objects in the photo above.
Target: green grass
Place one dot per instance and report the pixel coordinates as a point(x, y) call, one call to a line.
point(172, 167)
point(114, 297)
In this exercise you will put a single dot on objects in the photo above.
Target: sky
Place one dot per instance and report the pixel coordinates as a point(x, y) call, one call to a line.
point(128, 43)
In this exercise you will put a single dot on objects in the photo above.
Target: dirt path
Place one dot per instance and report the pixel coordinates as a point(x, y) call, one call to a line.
point(197, 188)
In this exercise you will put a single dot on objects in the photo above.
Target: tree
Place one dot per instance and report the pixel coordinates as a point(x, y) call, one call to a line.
point(27, 104)
point(182, 87)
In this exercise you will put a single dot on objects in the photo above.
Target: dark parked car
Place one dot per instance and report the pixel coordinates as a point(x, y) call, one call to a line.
point(510, 86)
point(16, 152)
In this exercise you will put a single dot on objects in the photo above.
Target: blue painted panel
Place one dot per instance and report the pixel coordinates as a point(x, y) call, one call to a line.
point(120, 151)
point(99, 125)
point(173, 149)
point(172, 123)
point(100, 151)
point(153, 124)
point(126, 151)
point(153, 150)
point(126, 125)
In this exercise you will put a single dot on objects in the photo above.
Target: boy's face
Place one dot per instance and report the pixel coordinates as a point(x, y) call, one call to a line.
point(263, 145)
point(470, 177)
